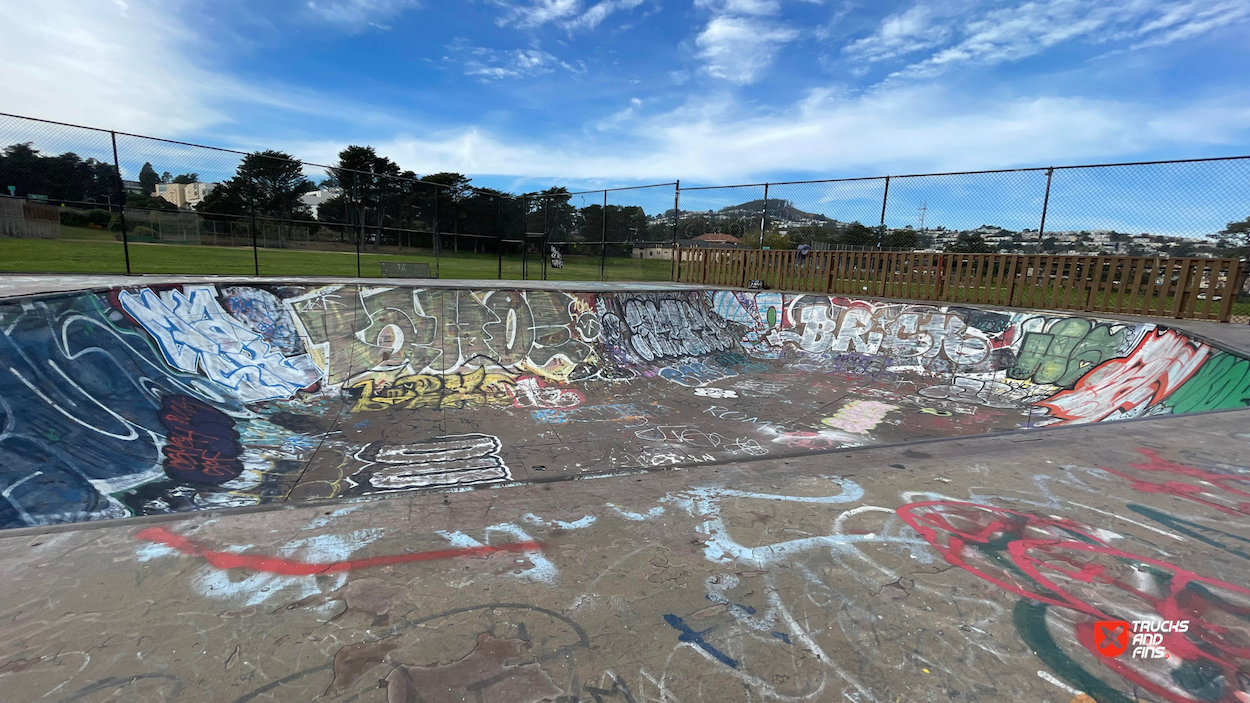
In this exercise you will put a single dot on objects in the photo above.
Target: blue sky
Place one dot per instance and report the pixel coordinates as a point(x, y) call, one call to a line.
point(528, 93)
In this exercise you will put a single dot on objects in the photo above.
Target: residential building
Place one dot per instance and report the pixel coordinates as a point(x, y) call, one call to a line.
point(653, 250)
point(184, 195)
point(317, 197)
point(719, 238)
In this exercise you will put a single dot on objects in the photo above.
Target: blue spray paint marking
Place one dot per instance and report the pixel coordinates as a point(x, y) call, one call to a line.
point(696, 638)
point(782, 636)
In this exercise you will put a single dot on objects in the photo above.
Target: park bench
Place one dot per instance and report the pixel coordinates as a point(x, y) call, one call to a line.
point(405, 269)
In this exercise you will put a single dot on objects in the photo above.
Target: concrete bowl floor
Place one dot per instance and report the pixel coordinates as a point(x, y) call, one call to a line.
point(777, 497)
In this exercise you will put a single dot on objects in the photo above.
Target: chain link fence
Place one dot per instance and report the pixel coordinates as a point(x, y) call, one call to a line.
point(78, 199)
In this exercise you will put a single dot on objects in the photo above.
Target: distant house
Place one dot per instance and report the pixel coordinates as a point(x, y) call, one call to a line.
point(184, 195)
point(317, 197)
point(132, 186)
point(654, 250)
point(719, 238)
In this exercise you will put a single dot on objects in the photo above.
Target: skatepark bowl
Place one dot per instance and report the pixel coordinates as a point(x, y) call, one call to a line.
point(261, 490)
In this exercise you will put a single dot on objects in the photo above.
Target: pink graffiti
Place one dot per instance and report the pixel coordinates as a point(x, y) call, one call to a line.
point(531, 392)
point(1196, 492)
point(1160, 364)
point(1065, 564)
point(806, 440)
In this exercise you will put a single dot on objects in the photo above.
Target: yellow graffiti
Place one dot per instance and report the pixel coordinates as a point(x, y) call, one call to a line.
point(480, 387)
point(935, 411)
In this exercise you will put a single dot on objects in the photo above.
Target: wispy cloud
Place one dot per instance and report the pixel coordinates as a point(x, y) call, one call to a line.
point(99, 62)
point(598, 12)
point(570, 15)
point(534, 13)
point(914, 30)
point(355, 15)
point(971, 35)
point(738, 49)
point(496, 64)
point(740, 39)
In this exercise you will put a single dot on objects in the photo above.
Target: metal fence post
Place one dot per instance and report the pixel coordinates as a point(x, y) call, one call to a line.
point(360, 217)
point(885, 198)
point(525, 236)
point(764, 219)
point(499, 235)
point(438, 244)
point(546, 234)
point(603, 240)
point(1041, 229)
point(251, 206)
point(121, 202)
point(675, 269)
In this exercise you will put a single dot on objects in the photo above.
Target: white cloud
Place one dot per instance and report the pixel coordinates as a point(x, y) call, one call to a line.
point(534, 13)
point(738, 49)
point(355, 15)
point(495, 64)
point(620, 117)
point(571, 15)
point(903, 33)
point(518, 63)
point(968, 35)
point(709, 141)
point(98, 62)
point(740, 7)
point(599, 12)
point(740, 39)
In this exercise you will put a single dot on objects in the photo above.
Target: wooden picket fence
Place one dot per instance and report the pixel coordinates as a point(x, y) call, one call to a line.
point(1190, 288)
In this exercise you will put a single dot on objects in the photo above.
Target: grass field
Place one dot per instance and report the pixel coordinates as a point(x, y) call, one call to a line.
point(101, 253)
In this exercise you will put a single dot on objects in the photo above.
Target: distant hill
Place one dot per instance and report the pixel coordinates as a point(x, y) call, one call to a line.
point(777, 209)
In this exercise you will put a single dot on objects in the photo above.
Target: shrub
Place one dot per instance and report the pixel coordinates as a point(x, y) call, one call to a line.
point(95, 219)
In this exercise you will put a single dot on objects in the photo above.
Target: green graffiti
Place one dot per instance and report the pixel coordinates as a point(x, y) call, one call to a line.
point(1030, 620)
point(1202, 533)
point(1065, 352)
point(1223, 382)
point(772, 317)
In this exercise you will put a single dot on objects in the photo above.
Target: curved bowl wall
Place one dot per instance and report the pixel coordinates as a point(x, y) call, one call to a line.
point(148, 400)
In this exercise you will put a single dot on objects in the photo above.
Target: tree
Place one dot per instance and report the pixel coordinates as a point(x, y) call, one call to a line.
point(66, 177)
point(270, 181)
point(148, 178)
point(902, 239)
point(970, 243)
point(449, 199)
point(147, 201)
point(1236, 235)
point(184, 179)
point(551, 212)
point(858, 235)
point(772, 239)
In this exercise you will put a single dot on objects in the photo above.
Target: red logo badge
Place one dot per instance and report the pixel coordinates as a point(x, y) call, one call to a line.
point(1111, 637)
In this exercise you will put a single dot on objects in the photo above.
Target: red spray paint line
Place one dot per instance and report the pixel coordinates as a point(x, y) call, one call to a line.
point(291, 567)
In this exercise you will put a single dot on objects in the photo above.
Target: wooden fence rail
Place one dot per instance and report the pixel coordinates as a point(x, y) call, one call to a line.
point(1190, 288)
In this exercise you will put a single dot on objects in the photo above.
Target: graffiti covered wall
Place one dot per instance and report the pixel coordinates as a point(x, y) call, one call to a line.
point(155, 400)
